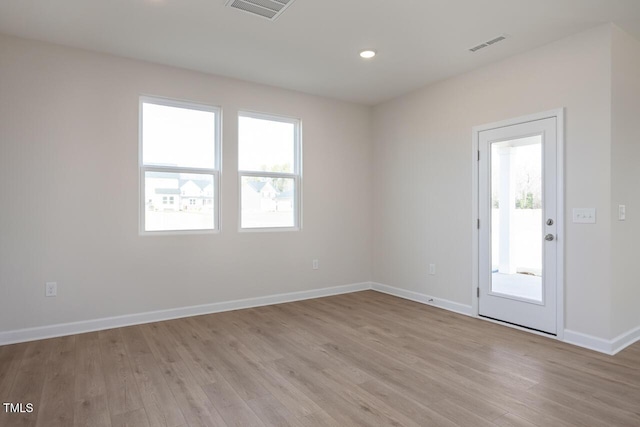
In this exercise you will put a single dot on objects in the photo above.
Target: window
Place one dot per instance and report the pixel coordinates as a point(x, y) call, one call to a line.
point(269, 158)
point(179, 162)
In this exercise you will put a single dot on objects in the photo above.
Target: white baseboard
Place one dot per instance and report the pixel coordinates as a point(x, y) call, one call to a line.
point(62, 329)
point(587, 341)
point(467, 310)
point(601, 345)
point(623, 341)
point(591, 342)
point(579, 339)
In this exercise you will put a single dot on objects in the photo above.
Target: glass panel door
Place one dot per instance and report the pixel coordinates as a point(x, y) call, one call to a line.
point(517, 238)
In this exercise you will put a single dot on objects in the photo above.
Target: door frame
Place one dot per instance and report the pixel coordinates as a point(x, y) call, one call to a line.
point(558, 114)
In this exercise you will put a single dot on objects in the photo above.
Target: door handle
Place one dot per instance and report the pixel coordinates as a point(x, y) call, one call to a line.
point(549, 237)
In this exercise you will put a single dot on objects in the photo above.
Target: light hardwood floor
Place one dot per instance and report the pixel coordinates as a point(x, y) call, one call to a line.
point(358, 359)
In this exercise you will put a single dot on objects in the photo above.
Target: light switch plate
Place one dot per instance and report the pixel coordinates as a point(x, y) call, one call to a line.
point(584, 215)
point(622, 212)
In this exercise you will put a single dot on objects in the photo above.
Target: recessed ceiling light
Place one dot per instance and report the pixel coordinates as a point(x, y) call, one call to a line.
point(367, 53)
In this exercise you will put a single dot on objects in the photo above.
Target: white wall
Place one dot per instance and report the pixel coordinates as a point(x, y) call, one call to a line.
point(69, 192)
point(625, 182)
point(423, 157)
point(69, 185)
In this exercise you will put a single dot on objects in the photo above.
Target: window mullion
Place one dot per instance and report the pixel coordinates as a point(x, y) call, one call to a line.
point(268, 174)
point(178, 169)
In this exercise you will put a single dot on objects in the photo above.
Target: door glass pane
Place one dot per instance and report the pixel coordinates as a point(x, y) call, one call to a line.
point(516, 218)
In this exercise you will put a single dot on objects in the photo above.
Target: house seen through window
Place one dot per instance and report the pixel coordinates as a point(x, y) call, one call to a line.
point(179, 165)
point(269, 171)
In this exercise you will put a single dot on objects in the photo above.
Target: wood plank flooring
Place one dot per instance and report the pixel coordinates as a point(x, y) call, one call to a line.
point(357, 359)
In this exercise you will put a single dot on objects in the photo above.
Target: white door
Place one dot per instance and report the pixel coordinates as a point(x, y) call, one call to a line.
point(518, 254)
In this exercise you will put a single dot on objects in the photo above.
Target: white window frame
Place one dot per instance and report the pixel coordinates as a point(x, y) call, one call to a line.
point(214, 172)
point(296, 175)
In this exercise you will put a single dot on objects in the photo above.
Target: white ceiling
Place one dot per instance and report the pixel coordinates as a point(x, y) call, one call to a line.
point(313, 47)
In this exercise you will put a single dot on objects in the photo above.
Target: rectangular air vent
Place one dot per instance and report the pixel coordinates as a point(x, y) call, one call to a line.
point(270, 9)
point(488, 43)
point(480, 46)
point(496, 40)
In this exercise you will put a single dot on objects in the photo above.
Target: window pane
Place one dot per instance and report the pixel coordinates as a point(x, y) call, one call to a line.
point(173, 136)
point(178, 201)
point(266, 145)
point(267, 202)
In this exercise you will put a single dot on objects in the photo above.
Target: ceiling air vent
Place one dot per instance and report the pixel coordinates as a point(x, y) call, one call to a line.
point(488, 43)
point(270, 9)
point(477, 48)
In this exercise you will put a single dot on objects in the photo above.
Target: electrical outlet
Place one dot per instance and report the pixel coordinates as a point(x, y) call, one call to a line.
point(315, 264)
point(432, 269)
point(50, 289)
